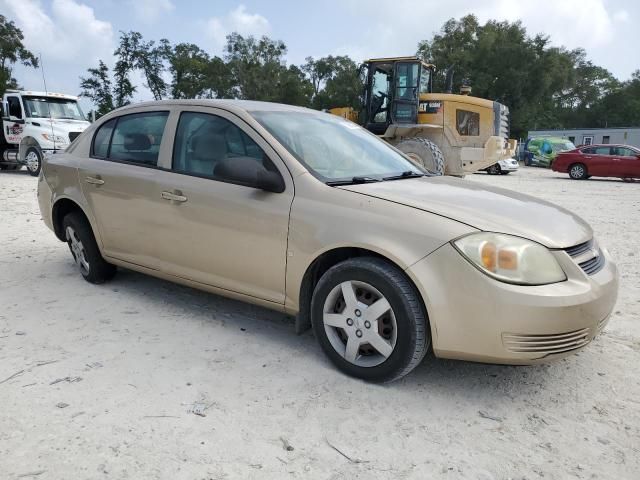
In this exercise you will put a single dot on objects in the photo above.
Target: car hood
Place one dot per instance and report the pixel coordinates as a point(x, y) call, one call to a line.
point(485, 208)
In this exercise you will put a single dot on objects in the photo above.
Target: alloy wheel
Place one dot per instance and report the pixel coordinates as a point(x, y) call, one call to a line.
point(360, 323)
point(33, 161)
point(77, 250)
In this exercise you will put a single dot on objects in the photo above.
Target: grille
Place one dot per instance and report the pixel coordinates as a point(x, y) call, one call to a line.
point(588, 256)
point(546, 344)
point(579, 249)
point(501, 120)
point(73, 135)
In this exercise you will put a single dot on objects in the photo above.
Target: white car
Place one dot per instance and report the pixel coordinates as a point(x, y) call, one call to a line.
point(503, 167)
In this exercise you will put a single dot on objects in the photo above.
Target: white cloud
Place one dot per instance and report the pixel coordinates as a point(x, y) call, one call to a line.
point(572, 23)
point(621, 16)
point(237, 20)
point(148, 11)
point(71, 33)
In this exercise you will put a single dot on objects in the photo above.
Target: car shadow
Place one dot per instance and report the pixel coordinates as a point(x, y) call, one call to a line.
point(598, 179)
point(276, 327)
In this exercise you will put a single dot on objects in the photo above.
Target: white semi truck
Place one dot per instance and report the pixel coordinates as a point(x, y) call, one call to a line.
point(35, 124)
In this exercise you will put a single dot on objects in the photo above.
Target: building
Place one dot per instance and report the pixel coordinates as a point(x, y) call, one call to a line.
point(589, 136)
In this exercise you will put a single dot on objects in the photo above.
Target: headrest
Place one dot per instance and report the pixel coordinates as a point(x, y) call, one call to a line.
point(137, 142)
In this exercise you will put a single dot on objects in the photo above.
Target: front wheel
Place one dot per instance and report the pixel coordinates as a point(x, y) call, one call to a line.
point(424, 153)
point(578, 171)
point(33, 160)
point(369, 319)
point(494, 169)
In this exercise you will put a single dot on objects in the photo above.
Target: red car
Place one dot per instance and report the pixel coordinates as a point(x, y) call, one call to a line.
point(621, 161)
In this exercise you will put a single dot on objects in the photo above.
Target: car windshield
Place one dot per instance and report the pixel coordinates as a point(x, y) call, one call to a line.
point(333, 148)
point(562, 147)
point(60, 108)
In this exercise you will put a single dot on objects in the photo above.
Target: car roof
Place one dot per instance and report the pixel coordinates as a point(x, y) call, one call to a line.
point(609, 145)
point(227, 104)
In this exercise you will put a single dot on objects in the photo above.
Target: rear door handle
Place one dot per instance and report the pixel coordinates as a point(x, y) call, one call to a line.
point(587, 157)
point(94, 180)
point(175, 197)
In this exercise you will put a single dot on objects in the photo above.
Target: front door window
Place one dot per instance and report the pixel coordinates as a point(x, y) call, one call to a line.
point(380, 95)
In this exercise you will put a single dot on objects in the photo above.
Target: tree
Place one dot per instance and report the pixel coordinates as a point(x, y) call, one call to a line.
point(97, 88)
point(127, 55)
point(150, 59)
point(12, 50)
point(335, 82)
point(256, 66)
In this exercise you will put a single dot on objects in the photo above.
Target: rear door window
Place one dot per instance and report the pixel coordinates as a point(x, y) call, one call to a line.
point(100, 148)
point(137, 137)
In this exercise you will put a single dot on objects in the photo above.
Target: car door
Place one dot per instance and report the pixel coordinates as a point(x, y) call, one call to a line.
point(216, 232)
point(597, 160)
point(14, 121)
point(118, 181)
point(627, 162)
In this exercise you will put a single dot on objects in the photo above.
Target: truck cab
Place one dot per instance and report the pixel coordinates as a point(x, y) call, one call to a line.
point(35, 124)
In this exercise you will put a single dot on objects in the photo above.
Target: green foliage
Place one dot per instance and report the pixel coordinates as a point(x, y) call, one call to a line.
point(12, 50)
point(260, 72)
point(335, 82)
point(544, 86)
point(97, 88)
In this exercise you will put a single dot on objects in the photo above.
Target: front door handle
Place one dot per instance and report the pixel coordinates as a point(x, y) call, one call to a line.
point(173, 196)
point(94, 180)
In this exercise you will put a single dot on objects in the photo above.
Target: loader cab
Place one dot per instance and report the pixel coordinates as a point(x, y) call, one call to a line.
point(392, 92)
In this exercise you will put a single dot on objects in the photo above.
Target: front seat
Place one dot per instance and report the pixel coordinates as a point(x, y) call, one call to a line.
point(208, 150)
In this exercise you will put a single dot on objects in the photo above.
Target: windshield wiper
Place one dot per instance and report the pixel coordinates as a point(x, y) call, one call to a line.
point(353, 181)
point(406, 174)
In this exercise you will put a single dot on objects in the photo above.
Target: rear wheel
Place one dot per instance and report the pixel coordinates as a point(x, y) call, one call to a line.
point(578, 171)
point(423, 152)
point(369, 319)
point(33, 160)
point(84, 249)
point(494, 169)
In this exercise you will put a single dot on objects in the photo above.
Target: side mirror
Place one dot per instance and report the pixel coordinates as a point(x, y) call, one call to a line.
point(269, 181)
point(250, 172)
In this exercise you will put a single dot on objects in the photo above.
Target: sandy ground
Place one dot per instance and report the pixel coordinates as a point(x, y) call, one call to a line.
point(107, 381)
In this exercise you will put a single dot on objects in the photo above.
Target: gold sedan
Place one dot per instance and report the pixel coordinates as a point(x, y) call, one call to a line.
point(310, 214)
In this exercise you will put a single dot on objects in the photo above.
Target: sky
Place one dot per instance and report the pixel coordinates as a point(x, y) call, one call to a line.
point(72, 35)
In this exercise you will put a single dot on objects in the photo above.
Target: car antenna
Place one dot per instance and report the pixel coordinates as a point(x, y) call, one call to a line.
point(46, 93)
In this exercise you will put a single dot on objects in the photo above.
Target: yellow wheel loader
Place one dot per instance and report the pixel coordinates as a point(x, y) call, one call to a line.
point(447, 134)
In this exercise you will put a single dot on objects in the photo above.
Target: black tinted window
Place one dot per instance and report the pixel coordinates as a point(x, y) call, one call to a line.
point(137, 137)
point(102, 138)
point(468, 123)
point(204, 142)
point(602, 150)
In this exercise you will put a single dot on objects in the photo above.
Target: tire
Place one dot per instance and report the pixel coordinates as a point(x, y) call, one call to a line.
point(578, 171)
point(402, 329)
point(84, 249)
point(494, 169)
point(423, 152)
point(33, 159)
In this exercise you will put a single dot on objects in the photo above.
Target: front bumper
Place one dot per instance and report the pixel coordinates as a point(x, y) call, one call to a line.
point(495, 149)
point(508, 165)
point(474, 317)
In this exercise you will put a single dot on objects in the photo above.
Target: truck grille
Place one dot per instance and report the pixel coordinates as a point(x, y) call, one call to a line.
point(73, 135)
point(501, 124)
point(588, 256)
point(546, 344)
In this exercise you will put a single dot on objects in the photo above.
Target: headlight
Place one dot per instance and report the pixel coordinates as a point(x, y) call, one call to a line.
point(54, 138)
point(511, 259)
